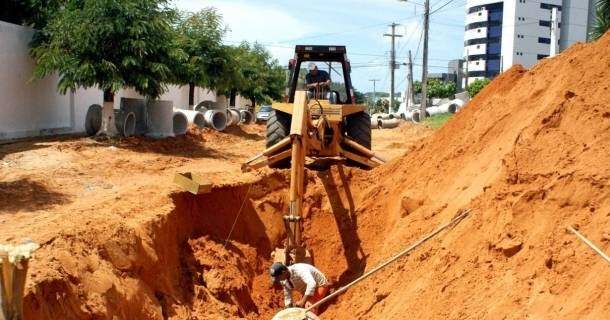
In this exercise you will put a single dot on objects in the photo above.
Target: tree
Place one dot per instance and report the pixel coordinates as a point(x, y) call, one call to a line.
point(439, 89)
point(199, 36)
point(33, 13)
point(602, 19)
point(359, 96)
point(256, 75)
point(110, 45)
point(477, 86)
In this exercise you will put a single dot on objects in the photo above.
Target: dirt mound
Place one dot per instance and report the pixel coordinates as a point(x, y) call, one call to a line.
point(530, 156)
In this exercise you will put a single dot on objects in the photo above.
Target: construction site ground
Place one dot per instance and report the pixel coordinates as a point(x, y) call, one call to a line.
point(57, 189)
point(528, 155)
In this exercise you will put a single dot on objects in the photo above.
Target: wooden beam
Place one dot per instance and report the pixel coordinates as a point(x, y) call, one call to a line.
point(193, 183)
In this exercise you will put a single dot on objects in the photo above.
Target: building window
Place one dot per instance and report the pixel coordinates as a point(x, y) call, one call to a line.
point(542, 56)
point(478, 46)
point(479, 30)
point(544, 40)
point(480, 13)
point(544, 23)
point(548, 6)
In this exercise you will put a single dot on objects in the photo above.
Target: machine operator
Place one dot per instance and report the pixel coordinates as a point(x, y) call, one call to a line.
point(317, 80)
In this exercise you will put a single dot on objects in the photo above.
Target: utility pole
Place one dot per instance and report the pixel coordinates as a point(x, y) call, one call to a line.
point(374, 90)
point(466, 72)
point(554, 31)
point(392, 63)
point(424, 78)
point(411, 97)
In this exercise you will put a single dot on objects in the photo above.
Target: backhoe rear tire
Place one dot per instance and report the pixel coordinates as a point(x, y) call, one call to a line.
point(278, 128)
point(358, 128)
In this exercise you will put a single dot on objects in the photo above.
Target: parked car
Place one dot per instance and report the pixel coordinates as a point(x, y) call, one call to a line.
point(263, 113)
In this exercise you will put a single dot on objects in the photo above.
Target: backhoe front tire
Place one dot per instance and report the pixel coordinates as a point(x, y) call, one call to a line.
point(278, 128)
point(358, 128)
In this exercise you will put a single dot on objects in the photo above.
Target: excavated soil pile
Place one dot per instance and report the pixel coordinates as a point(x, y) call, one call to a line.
point(529, 155)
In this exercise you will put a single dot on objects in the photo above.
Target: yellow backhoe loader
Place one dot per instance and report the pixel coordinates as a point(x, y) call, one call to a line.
point(314, 127)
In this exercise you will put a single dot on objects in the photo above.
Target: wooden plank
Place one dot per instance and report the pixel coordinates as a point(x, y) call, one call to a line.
point(193, 183)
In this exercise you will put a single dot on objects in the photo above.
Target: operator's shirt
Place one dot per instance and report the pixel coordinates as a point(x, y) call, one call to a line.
point(322, 76)
point(304, 278)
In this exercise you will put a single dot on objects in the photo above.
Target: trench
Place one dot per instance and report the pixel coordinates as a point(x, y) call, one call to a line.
point(181, 266)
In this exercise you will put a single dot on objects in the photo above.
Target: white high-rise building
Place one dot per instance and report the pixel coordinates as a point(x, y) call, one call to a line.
point(500, 33)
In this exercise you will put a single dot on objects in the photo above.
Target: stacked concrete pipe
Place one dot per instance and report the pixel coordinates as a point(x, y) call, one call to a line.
point(180, 123)
point(138, 107)
point(233, 117)
point(159, 115)
point(390, 123)
point(246, 116)
point(193, 117)
point(125, 122)
point(416, 116)
point(93, 119)
point(215, 119)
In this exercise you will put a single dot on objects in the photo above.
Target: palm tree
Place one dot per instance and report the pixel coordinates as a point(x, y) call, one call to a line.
point(602, 19)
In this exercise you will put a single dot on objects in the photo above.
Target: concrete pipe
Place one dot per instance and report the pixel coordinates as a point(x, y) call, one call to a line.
point(408, 115)
point(138, 107)
point(193, 117)
point(376, 122)
point(432, 111)
point(390, 123)
point(233, 117)
point(159, 116)
point(204, 106)
point(93, 119)
point(416, 116)
point(246, 116)
point(457, 103)
point(215, 119)
point(180, 123)
point(125, 122)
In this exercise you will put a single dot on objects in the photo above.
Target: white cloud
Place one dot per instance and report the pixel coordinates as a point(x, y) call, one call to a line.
point(264, 23)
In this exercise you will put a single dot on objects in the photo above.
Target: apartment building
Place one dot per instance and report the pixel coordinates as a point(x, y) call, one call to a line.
point(501, 33)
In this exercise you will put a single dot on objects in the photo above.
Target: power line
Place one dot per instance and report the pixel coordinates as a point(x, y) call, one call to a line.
point(439, 8)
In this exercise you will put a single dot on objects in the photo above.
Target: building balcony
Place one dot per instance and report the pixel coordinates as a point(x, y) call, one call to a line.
point(477, 33)
point(478, 65)
point(479, 16)
point(475, 49)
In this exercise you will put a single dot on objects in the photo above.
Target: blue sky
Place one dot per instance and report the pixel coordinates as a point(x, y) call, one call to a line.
point(358, 24)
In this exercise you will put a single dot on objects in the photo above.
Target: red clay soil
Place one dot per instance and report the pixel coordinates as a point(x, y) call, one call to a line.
point(529, 155)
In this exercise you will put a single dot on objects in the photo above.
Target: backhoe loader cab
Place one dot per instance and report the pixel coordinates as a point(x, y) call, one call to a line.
point(315, 129)
point(332, 59)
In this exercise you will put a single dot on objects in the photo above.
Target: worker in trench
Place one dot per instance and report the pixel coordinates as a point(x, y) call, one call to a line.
point(303, 278)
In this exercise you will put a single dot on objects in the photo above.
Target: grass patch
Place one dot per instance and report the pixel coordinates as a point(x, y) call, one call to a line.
point(437, 121)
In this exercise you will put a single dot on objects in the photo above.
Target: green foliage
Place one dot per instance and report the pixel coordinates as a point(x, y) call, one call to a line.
point(360, 98)
point(254, 74)
point(382, 106)
point(110, 45)
point(477, 86)
point(417, 86)
point(602, 19)
point(438, 120)
point(436, 88)
point(439, 89)
point(199, 35)
point(34, 13)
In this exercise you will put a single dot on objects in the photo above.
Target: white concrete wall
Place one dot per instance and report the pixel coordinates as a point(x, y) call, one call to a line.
point(35, 108)
point(27, 108)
